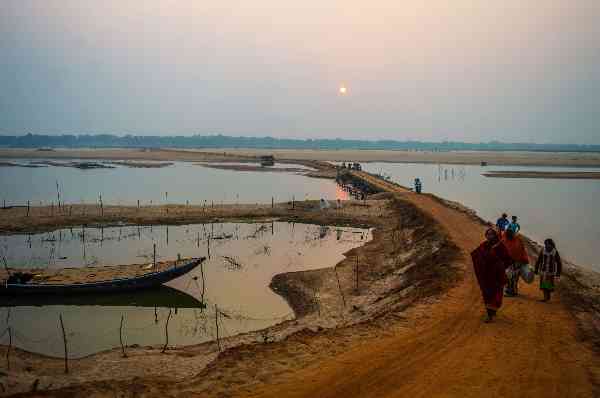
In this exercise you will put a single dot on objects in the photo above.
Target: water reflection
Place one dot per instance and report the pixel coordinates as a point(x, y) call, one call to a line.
point(243, 260)
point(163, 296)
point(180, 183)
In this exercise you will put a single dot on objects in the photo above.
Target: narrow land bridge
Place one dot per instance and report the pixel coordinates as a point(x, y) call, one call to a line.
point(531, 350)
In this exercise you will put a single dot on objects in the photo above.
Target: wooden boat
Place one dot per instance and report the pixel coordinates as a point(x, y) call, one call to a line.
point(146, 281)
point(267, 160)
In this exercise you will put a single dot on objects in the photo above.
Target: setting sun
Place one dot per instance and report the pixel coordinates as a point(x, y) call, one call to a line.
point(343, 90)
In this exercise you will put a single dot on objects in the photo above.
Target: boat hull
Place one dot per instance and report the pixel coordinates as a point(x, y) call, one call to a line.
point(146, 281)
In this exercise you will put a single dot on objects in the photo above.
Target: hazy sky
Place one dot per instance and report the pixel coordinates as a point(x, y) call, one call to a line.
point(526, 70)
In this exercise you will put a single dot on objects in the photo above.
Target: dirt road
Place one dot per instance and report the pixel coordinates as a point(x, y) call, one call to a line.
point(531, 350)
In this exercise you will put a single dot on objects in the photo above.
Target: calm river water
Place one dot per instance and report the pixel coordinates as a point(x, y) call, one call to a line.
point(241, 291)
point(178, 183)
point(566, 210)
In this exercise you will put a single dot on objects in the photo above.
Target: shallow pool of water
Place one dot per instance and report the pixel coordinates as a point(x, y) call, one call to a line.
point(243, 260)
point(563, 209)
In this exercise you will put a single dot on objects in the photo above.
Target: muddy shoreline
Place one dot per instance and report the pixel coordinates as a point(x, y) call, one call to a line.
point(384, 286)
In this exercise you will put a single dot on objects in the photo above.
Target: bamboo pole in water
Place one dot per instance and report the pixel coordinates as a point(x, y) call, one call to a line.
point(121, 337)
point(203, 282)
point(62, 326)
point(217, 326)
point(340, 286)
point(356, 273)
point(9, 348)
point(166, 332)
point(58, 194)
point(154, 256)
point(208, 246)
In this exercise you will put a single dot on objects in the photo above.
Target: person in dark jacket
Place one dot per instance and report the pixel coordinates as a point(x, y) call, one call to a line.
point(549, 267)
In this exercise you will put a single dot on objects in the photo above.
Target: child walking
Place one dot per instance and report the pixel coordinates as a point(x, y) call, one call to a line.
point(549, 266)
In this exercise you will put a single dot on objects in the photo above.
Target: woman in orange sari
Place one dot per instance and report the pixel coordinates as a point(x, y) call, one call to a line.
point(516, 251)
point(490, 261)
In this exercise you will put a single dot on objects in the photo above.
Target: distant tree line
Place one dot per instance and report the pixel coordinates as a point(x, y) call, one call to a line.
point(222, 141)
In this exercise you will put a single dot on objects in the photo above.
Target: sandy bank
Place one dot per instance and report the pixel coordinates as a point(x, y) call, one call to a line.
point(290, 155)
point(123, 155)
point(252, 167)
point(49, 218)
point(142, 165)
point(544, 174)
point(466, 157)
point(393, 273)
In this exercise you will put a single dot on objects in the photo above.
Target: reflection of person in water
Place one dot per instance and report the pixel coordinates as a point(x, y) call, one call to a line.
point(323, 232)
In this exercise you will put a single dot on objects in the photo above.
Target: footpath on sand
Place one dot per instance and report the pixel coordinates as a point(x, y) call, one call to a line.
point(531, 350)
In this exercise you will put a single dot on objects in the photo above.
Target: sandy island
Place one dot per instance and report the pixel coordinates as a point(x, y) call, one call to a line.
point(564, 159)
point(412, 327)
point(570, 159)
point(583, 175)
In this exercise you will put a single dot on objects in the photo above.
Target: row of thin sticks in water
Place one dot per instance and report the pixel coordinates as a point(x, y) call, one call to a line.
point(14, 335)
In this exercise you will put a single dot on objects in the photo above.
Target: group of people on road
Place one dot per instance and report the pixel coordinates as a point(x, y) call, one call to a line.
point(502, 259)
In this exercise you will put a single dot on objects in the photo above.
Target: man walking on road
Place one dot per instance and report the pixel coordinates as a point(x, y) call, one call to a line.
point(514, 225)
point(502, 223)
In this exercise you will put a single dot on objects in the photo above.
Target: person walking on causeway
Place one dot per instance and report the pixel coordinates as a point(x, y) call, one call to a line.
point(514, 225)
point(490, 261)
point(518, 254)
point(549, 267)
point(502, 223)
